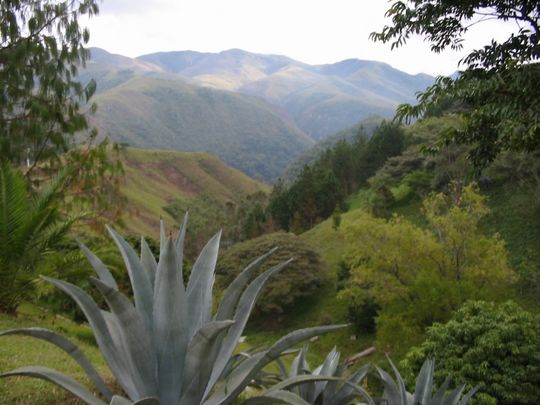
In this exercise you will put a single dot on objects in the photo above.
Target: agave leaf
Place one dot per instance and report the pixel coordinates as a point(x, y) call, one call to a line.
point(286, 397)
point(138, 345)
point(424, 383)
point(170, 334)
point(70, 348)
point(148, 401)
point(347, 391)
point(439, 395)
point(245, 305)
point(180, 239)
point(62, 380)
point(140, 283)
point(391, 391)
point(118, 400)
point(401, 383)
point(234, 290)
point(101, 270)
point(200, 360)
point(199, 288)
point(99, 327)
point(453, 397)
point(468, 396)
point(246, 371)
point(162, 235)
point(125, 376)
point(328, 368)
point(148, 261)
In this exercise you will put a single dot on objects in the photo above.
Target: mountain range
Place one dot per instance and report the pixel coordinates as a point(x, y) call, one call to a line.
point(256, 112)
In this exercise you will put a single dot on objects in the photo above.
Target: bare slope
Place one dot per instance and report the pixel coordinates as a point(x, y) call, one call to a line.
point(154, 178)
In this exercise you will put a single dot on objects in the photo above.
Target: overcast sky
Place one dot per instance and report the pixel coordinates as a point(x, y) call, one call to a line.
point(311, 31)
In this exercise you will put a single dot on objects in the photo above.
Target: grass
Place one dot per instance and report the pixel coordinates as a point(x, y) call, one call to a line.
point(19, 351)
point(156, 178)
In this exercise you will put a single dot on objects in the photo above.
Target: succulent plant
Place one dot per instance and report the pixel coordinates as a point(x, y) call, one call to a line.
point(167, 348)
point(395, 393)
point(327, 385)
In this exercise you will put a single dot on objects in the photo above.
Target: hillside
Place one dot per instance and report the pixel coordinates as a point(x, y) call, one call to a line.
point(309, 156)
point(154, 179)
point(246, 132)
point(321, 99)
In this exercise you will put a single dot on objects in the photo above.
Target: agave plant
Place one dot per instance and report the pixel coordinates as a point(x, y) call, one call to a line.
point(167, 348)
point(396, 393)
point(325, 385)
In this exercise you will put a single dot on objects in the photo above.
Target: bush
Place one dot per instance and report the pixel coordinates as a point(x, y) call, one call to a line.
point(299, 279)
point(495, 347)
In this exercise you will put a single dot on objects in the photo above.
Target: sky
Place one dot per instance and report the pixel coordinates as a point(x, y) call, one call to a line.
point(310, 31)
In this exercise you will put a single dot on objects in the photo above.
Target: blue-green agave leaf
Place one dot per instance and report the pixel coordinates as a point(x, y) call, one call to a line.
point(246, 371)
point(140, 282)
point(170, 330)
point(99, 327)
point(70, 348)
point(199, 288)
point(439, 395)
point(235, 289)
point(62, 380)
point(148, 261)
point(453, 397)
point(347, 391)
point(200, 358)
point(138, 343)
point(118, 400)
point(101, 270)
point(180, 239)
point(391, 391)
point(401, 383)
point(467, 397)
point(424, 383)
point(245, 305)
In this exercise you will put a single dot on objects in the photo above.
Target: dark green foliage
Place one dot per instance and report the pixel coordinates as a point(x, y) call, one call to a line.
point(41, 49)
point(495, 347)
point(300, 279)
point(31, 226)
point(321, 188)
point(498, 89)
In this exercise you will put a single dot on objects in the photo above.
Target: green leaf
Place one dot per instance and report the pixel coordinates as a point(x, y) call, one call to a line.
point(62, 380)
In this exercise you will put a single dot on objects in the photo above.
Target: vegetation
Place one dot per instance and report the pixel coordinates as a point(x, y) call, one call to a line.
point(491, 123)
point(151, 348)
point(413, 277)
point(494, 347)
point(31, 226)
point(300, 280)
point(321, 188)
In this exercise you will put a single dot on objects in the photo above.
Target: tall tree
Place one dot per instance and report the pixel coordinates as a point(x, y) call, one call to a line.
point(497, 89)
point(43, 107)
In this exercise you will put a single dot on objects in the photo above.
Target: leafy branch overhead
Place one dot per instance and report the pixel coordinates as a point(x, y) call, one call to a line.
point(497, 91)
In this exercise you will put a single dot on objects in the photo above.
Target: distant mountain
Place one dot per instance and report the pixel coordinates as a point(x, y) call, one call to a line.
point(309, 156)
point(246, 132)
point(321, 99)
point(256, 112)
point(155, 178)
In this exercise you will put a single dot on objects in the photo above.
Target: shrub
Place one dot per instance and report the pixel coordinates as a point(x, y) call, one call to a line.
point(495, 347)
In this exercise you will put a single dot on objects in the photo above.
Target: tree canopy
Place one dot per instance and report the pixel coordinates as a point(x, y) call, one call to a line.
point(497, 90)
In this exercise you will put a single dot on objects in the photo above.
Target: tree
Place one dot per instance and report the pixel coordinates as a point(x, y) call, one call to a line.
point(299, 280)
point(419, 276)
point(43, 106)
point(494, 347)
point(30, 227)
point(497, 91)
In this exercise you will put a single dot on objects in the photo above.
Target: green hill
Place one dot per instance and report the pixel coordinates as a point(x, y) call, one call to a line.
point(154, 179)
point(245, 132)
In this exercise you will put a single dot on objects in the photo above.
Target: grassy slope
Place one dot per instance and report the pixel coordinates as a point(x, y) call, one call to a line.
point(19, 351)
point(512, 216)
point(154, 178)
